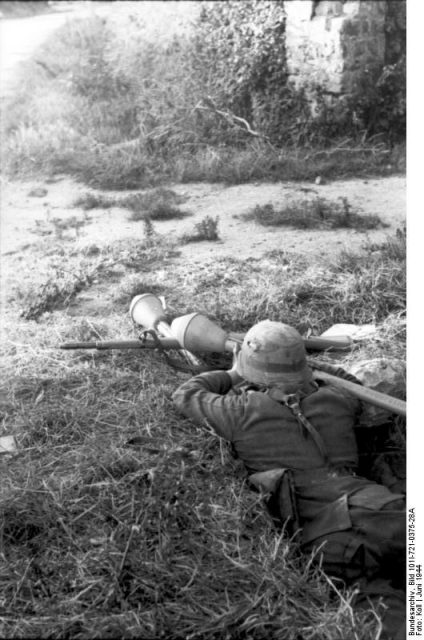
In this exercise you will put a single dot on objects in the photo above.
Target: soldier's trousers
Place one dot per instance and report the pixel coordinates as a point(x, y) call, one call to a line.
point(356, 531)
point(373, 547)
point(372, 554)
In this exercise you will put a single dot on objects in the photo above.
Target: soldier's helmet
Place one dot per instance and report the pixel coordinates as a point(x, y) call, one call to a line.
point(273, 354)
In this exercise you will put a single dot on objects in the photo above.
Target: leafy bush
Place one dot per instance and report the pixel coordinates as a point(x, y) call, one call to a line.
point(240, 57)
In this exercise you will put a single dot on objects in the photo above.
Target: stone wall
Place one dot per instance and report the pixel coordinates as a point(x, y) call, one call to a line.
point(334, 43)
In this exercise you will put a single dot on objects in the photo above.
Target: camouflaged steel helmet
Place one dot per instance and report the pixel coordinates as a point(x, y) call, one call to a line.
point(273, 353)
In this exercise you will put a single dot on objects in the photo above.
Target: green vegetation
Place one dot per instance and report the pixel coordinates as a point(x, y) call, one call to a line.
point(58, 226)
point(313, 214)
point(206, 229)
point(62, 273)
point(116, 107)
point(156, 204)
point(118, 517)
point(92, 200)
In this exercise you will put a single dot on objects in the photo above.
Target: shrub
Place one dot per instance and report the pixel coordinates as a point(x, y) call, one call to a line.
point(375, 106)
point(206, 229)
point(240, 56)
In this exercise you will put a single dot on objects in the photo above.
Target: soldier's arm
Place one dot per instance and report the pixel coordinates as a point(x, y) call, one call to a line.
point(205, 399)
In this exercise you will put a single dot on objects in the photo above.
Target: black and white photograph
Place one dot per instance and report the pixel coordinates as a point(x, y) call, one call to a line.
point(204, 337)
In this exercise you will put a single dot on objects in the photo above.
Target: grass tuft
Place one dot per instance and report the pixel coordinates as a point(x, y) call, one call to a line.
point(257, 161)
point(156, 204)
point(317, 214)
point(92, 200)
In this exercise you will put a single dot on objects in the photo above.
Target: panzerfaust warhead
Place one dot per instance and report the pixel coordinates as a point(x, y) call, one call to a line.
point(195, 332)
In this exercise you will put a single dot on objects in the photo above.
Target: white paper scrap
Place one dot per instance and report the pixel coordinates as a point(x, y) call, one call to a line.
point(354, 331)
point(7, 444)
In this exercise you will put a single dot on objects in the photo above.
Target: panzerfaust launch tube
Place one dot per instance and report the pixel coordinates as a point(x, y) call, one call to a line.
point(395, 405)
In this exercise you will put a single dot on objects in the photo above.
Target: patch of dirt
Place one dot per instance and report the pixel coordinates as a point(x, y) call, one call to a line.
point(24, 217)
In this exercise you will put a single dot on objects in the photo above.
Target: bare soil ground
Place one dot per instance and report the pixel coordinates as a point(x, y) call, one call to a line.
point(22, 216)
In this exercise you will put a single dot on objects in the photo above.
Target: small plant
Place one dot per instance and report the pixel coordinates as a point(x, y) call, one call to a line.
point(58, 226)
point(317, 214)
point(206, 229)
point(149, 231)
point(394, 248)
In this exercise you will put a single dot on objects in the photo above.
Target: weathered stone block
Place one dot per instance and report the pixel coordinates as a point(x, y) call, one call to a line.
point(351, 28)
point(335, 43)
point(299, 10)
point(328, 8)
point(365, 27)
point(351, 7)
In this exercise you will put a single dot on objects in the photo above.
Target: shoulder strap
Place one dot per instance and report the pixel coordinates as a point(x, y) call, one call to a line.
point(292, 401)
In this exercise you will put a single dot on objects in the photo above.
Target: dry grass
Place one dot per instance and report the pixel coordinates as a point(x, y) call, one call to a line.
point(121, 519)
point(93, 200)
point(156, 204)
point(61, 272)
point(313, 214)
point(257, 161)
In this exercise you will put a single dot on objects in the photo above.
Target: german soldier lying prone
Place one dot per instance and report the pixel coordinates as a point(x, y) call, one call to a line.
point(296, 437)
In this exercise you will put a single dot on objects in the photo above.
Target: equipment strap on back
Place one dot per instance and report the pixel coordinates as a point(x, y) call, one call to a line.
point(292, 401)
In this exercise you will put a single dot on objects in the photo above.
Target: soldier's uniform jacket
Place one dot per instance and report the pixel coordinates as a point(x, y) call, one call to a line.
point(354, 527)
point(266, 435)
